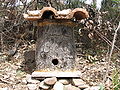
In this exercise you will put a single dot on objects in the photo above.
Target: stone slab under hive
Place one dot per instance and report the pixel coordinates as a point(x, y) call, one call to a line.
point(56, 74)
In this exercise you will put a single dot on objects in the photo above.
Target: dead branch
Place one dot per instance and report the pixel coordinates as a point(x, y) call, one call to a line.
point(111, 51)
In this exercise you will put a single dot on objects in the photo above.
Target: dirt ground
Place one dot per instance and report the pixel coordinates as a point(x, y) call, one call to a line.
point(13, 72)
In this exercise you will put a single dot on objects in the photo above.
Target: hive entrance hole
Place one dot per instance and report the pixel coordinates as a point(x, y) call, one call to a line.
point(55, 61)
point(48, 15)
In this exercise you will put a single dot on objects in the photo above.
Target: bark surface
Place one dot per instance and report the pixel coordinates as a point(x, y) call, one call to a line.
point(55, 48)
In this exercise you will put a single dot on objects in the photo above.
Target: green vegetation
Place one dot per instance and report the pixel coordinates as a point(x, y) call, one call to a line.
point(115, 79)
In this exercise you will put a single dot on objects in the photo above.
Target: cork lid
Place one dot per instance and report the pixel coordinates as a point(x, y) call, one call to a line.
point(52, 13)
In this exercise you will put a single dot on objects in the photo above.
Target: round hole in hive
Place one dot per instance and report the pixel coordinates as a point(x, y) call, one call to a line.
point(55, 61)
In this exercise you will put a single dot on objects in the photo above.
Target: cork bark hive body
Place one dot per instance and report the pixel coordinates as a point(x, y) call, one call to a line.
point(55, 47)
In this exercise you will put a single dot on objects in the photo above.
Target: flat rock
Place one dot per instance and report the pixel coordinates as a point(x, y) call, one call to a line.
point(43, 85)
point(30, 80)
point(32, 87)
point(4, 88)
point(50, 81)
point(34, 81)
point(28, 77)
point(93, 88)
point(58, 86)
point(56, 74)
point(64, 81)
point(70, 87)
point(78, 82)
point(83, 86)
point(22, 87)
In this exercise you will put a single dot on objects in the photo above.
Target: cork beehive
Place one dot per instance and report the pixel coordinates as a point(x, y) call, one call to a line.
point(55, 48)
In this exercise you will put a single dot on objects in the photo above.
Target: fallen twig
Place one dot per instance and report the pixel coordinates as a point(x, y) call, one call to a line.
point(111, 51)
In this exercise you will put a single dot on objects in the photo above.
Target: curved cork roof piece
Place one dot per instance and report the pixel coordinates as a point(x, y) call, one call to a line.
point(52, 13)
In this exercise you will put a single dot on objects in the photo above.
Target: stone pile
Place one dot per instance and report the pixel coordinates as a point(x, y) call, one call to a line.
point(54, 83)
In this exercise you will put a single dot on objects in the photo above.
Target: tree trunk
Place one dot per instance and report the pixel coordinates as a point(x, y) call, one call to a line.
point(55, 48)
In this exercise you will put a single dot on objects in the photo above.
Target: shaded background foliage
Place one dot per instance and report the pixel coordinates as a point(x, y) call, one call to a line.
point(95, 34)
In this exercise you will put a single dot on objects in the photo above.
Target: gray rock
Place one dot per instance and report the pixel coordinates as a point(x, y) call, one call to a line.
point(95, 88)
point(58, 86)
point(70, 87)
point(30, 80)
point(34, 81)
point(78, 82)
point(24, 81)
point(43, 85)
point(32, 87)
point(28, 77)
point(4, 88)
point(50, 81)
point(92, 83)
point(64, 81)
point(20, 87)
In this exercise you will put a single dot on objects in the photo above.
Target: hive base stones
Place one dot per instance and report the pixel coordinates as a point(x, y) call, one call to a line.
point(58, 83)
